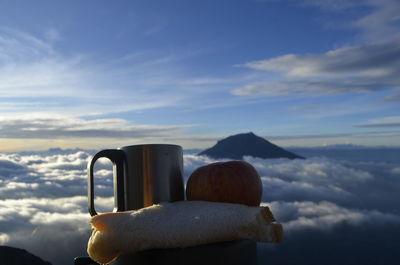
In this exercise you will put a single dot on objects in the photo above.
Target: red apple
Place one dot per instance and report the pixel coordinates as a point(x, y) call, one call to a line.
point(232, 181)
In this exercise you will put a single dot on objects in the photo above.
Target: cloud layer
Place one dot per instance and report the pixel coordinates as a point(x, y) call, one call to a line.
point(44, 206)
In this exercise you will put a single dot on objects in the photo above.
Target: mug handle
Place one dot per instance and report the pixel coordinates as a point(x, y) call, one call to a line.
point(118, 159)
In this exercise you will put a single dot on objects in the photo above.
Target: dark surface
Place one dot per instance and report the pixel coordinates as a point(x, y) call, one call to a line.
point(17, 256)
point(247, 144)
point(232, 253)
point(84, 261)
point(345, 245)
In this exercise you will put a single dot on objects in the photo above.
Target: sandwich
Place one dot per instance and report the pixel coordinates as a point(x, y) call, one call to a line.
point(179, 225)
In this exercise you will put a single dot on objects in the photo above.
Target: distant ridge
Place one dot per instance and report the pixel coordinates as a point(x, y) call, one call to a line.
point(247, 144)
point(17, 256)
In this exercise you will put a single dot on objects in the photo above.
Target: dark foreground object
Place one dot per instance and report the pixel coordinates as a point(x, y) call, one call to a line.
point(233, 253)
point(17, 256)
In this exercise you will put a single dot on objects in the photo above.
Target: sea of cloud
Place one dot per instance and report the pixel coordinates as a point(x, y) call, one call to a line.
point(321, 200)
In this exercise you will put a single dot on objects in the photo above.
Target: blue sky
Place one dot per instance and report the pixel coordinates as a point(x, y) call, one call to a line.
point(97, 74)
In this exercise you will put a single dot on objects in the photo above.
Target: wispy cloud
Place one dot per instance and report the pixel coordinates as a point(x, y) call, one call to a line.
point(31, 68)
point(351, 69)
point(379, 60)
point(52, 35)
point(333, 5)
point(52, 126)
point(392, 98)
point(382, 23)
point(352, 135)
point(385, 122)
point(305, 107)
point(48, 94)
point(368, 66)
point(379, 21)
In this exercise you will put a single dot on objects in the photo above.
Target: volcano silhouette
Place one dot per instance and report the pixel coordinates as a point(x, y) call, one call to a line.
point(247, 144)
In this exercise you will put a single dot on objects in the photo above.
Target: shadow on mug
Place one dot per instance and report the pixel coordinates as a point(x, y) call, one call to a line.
point(233, 253)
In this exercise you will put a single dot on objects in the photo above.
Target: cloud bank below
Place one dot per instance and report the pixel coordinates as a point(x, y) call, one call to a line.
point(44, 200)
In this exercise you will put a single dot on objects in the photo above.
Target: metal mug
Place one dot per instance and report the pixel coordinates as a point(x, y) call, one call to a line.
point(143, 175)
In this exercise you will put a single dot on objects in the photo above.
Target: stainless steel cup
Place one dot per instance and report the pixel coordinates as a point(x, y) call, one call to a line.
point(143, 175)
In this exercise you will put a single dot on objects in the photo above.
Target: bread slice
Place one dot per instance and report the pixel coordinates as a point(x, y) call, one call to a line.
point(178, 225)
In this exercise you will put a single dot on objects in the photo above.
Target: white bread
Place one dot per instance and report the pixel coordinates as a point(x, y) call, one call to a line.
point(178, 224)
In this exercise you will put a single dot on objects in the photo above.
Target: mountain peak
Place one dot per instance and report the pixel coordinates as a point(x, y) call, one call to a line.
point(247, 144)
